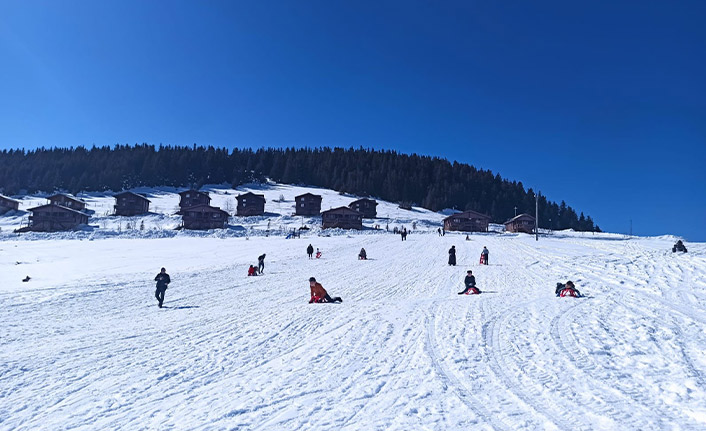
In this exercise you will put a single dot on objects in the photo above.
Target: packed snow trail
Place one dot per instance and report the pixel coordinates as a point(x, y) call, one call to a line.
point(84, 346)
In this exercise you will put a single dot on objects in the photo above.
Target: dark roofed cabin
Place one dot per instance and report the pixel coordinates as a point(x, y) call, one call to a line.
point(467, 221)
point(342, 217)
point(67, 201)
point(54, 218)
point(7, 204)
point(192, 198)
point(131, 204)
point(250, 204)
point(521, 223)
point(307, 204)
point(203, 217)
point(365, 206)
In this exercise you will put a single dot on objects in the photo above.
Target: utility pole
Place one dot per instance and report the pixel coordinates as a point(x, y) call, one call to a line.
point(515, 211)
point(536, 216)
point(630, 227)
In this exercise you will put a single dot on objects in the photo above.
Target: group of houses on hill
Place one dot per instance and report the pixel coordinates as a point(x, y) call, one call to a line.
point(65, 212)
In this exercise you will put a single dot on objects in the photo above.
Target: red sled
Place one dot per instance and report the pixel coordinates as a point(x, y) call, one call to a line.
point(568, 292)
point(473, 291)
point(482, 260)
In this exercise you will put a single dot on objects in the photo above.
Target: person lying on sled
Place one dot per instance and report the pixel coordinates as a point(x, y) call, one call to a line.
point(470, 282)
point(567, 289)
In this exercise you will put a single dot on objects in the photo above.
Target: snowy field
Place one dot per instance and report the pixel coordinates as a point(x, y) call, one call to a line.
point(84, 346)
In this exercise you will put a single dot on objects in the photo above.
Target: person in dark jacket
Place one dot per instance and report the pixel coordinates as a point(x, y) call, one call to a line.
point(163, 281)
point(470, 282)
point(452, 255)
point(310, 251)
point(679, 246)
point(362, 255)
point(261, 263)
point(319, 294)
point(569, 285)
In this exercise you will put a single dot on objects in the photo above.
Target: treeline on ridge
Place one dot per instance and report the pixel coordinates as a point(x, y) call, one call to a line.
point(429, 182)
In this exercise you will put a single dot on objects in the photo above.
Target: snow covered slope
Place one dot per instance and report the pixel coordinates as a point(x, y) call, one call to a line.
point(84, 346)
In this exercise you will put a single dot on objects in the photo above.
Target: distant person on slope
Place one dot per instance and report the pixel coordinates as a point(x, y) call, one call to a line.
point(567, 289)
point(318, 253)
point(362, 255)
point(319, 294)
point(163, 281)
point(261, 263)
point(403, 233)
point(679, 246)
point(252, 271)
point(452, 255)
point(484, 256)
point(439, 230)
point(470, 283)
point(310, 251)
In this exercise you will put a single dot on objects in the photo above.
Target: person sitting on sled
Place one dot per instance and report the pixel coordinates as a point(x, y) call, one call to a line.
point(567, 289)
point(362, 255)
point(252, 271)
point(679, 246)
point(319, 294)
point(470, 282)
point(318, 253)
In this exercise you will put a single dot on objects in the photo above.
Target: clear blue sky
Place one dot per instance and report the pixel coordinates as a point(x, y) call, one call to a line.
point(599, 103)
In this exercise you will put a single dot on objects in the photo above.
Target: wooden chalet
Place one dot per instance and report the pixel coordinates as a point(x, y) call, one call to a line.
point(521, 223)
point(467, 221)
point(68, 201)
point(203, 217)
point(192, 198)
point(7, 204)
point(54, 218)
point(365, 206)
point(342, 217)
point(250, 204)
point(131, 204)
point(308, 204)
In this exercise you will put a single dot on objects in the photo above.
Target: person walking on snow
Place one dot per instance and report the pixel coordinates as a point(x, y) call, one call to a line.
point(470, 283)
point(403, 233)
point(310, 251)
point(452, 255)
point(163, 281)
point(319, 294)
point(484, 255)
point(261, 263)
point(439, 230)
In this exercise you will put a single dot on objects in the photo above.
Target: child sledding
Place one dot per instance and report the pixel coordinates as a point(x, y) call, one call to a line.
point(362, 255)
point(319, 294)
point(568, 289)
point(470, 283)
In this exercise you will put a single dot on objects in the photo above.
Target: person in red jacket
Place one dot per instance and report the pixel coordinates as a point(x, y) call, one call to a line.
point(252, 271)
point(319, 294)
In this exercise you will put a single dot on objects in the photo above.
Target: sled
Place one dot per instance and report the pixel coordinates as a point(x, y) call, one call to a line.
point(482, 260)
point(568, 292)
point(318, 255)
point(473, 291)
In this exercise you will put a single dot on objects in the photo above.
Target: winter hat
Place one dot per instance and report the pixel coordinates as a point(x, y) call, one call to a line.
point(312, 279)
point(469, 272)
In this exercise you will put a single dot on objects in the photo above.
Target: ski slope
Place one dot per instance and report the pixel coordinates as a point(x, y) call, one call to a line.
point(84, 346)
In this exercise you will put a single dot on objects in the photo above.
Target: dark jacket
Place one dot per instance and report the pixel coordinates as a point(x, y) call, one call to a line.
point(310, 250)
point(261, 258)
point(452, 256)
point(485, 251)
point(469, 281)
point(162, 280)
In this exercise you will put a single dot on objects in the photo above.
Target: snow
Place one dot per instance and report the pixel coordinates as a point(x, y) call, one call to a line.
point(84, 346)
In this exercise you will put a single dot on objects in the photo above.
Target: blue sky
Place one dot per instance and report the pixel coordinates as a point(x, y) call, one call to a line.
point(600, 103)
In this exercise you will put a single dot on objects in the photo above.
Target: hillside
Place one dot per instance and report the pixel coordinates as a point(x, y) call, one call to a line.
point(85, 347)
point(428, 182)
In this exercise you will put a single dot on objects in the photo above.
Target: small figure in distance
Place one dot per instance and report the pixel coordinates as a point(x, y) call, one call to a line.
point(310, 251)
point(679, 246)
point(252, 271)
point(26, 279)
point(362, 255)
point(318, 254)
point(567, 289)
point(261, 263)
point(452, 255)
point(319, 294)
point(484, 256)
point(163, 281)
